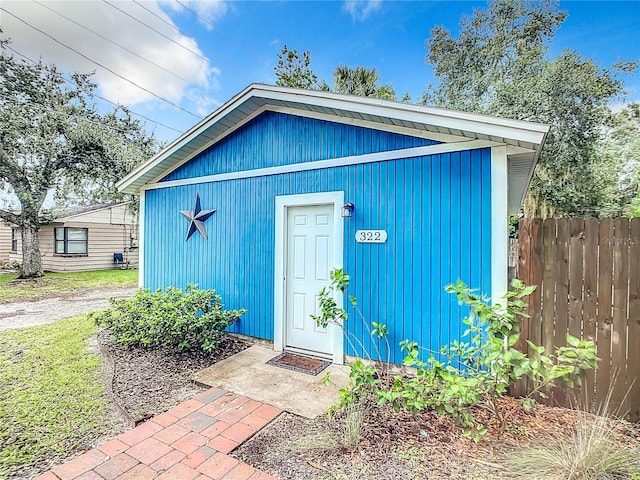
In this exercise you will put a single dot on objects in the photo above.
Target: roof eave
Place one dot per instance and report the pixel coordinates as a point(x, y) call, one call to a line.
point(513, 132)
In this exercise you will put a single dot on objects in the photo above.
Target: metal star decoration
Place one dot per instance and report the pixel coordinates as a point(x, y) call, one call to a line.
point(196, 218)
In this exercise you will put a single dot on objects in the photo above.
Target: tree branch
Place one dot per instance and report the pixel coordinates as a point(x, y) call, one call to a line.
point(10, 217)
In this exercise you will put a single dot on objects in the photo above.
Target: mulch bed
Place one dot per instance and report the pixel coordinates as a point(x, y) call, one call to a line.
point(145, 383)
point(403, 445)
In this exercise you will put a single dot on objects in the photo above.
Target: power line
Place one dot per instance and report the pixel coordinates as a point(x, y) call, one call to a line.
point(112, 42)
point(133, 17)
point(157, 31)
point(219, 30)
point(159, 17)
point(100, 97)
point(100, 65)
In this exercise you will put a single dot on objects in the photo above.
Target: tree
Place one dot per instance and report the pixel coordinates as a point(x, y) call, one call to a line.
point(54, 139)
point(361, 81)
point(499, 64)
point(621, 147)
point(294, 70)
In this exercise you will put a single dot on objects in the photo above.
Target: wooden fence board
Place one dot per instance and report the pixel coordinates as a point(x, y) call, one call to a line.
point(620, 290)
point(535, 275)
point(523, 272)
point(561, 274)
point(576, 277)
point(603, 331)
point(548, 283)
point(576, 272)
point(588, 277)
point(589, 306)
point(633, 360)
point(524, 261)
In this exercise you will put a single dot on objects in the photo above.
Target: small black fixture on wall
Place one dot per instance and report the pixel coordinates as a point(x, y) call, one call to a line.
point(347, 210)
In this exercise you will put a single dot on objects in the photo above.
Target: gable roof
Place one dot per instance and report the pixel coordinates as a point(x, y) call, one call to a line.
point(523, 139)
point(81, 210)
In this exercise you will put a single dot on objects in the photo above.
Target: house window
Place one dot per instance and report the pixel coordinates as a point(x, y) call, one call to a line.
point(15, 233)
point(71, 241)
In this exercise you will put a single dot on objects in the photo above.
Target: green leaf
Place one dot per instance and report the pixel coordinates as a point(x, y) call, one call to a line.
point(573, 341)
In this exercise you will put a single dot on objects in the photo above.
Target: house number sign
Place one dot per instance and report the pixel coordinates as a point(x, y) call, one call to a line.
point(371, 236)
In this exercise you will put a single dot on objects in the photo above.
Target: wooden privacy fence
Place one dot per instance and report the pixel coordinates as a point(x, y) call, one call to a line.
point(588, 276)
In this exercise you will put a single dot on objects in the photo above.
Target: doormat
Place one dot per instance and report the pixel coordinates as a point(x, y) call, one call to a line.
point(299, 363)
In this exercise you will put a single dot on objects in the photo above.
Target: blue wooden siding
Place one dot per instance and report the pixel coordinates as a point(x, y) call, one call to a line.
point(275, 139)
point(436, 210)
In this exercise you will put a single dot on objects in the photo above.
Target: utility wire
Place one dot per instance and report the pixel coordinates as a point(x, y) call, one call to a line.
point(100, 65)
point(219, 30)
point(112, 42)
point(159, 17)
point(100, 97)
point(235, 65)
point(157, 31)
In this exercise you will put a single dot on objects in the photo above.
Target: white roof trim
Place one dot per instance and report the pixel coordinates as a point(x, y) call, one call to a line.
point(106, 207)
point(329, 163)
point(427, 122)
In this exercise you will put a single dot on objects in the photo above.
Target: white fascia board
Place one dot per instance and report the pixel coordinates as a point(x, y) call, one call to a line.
point(332, 162)
point(427, 134)
point(195, 153)
point(497, 128)
point(184, 139)
point(128, 185)
point(387, 127)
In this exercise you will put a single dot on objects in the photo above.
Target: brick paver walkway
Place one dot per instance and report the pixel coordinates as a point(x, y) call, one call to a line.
point(189, 442)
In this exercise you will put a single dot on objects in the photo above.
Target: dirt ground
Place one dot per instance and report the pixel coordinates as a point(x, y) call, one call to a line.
point(48, 310)
point(145, 383)
point(403, 446)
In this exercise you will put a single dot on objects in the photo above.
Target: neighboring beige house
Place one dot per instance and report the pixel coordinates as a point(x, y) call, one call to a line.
point(85, 239)
point(5, 242)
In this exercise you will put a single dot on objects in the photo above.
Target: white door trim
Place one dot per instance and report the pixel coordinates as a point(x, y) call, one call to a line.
point(282, 203)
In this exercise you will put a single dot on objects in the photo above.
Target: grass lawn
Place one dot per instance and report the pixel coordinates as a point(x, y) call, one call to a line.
point(52, 401)
point(12, 289)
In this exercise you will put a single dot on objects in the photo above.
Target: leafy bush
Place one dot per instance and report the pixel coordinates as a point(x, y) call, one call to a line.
point(465, 373)
point(189, 319)
point(481, 369)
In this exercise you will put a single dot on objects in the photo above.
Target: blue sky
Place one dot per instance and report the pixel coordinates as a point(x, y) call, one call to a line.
point(198, 54)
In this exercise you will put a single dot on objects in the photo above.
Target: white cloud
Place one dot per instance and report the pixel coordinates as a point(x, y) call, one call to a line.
point(361, 9)
point(167, 63)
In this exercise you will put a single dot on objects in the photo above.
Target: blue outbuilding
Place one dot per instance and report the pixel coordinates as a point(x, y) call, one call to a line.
point(405, 198)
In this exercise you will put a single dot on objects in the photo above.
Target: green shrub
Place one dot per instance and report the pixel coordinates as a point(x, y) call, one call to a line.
point(475, 370)
point(480, 369)
point(189, 319)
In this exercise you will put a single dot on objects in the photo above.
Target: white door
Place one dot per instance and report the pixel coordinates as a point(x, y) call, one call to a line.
point(310, 239)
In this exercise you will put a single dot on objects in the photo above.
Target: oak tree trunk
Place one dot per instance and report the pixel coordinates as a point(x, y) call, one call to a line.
point(31, 258)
